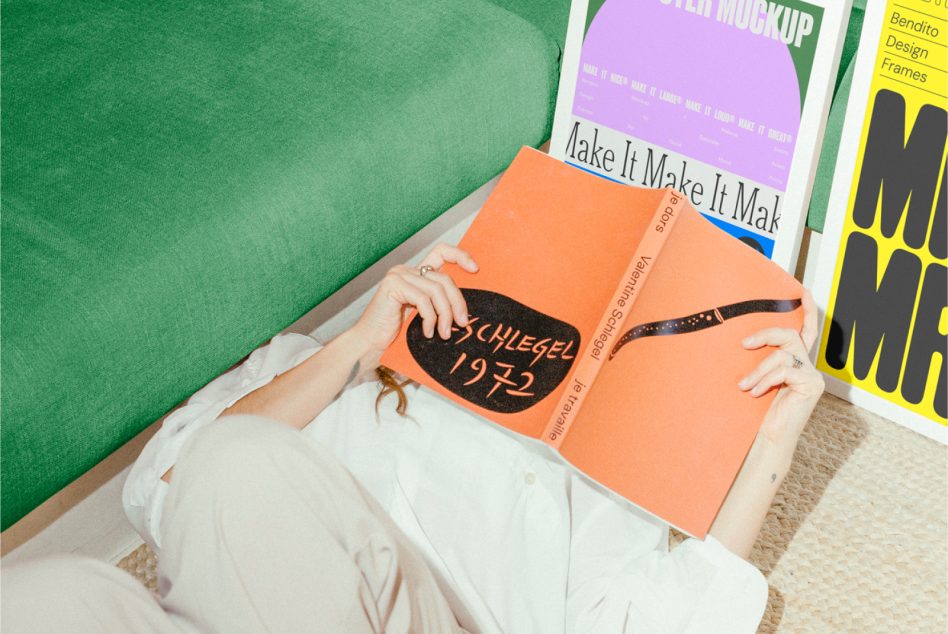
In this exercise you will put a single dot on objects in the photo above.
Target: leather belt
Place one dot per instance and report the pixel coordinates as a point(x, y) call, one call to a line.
point(705, 319)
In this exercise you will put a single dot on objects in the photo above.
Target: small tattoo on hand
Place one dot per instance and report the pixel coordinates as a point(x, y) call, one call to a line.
point(773, 477)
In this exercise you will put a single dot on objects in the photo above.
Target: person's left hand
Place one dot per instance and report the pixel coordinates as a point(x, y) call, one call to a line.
point(799, 384)
point(434, 295)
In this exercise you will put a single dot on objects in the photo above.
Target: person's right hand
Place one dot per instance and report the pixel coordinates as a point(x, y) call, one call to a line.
point(435, 296)
point(799, 385)
point(787, 370)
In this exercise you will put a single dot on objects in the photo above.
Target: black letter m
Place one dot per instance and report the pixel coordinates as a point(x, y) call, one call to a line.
point(904, 171)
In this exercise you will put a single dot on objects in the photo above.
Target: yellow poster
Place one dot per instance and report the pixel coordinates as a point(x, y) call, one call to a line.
point(886, 324)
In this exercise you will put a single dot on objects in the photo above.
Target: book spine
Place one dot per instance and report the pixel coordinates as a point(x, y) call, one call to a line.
point(596, 352)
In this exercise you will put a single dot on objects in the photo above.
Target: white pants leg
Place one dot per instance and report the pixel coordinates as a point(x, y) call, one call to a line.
point(68, 593)
point(264, 530)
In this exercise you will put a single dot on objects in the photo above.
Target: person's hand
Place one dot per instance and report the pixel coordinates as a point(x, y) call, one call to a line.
point(799, 385)
point(788, 369)
point(434, 295)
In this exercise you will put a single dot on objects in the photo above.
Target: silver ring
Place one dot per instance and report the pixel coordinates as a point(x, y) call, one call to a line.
point(797, 363)
point(424, 270)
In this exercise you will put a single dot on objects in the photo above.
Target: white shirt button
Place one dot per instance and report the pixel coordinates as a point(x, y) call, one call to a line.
point(530, 477)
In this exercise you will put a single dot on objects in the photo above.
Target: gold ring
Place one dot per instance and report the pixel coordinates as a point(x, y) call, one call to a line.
point(424, 270)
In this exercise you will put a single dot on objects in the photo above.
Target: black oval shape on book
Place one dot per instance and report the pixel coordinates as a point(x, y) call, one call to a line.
point(507, 359)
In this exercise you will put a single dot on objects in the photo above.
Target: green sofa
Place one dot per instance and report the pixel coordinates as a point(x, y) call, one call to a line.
point(182, 180)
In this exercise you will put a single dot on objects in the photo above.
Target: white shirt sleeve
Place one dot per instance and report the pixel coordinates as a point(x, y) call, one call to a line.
point(699, 587)
point(144, 492)
point(622, 578)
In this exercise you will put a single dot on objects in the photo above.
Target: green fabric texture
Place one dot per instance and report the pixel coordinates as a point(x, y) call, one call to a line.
point(823, 181)
point(181, 180)
point(550, 16)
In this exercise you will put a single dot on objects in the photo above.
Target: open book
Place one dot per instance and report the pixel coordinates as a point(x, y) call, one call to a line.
point(606, 321)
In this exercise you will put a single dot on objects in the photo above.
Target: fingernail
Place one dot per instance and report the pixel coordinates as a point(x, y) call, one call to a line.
point(747, 341)
point(743, 383)
point(462, 321)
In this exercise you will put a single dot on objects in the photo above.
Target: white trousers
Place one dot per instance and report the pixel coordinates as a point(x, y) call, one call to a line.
point(264, 530)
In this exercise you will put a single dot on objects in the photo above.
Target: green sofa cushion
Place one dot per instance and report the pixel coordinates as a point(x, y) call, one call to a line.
point(550, 16)
point(183, 179)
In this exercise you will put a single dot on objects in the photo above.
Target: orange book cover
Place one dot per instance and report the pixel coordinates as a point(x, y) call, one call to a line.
point(606, 321)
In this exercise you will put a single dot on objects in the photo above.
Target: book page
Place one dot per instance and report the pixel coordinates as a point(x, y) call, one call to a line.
point(665, 424)
point(552, 244)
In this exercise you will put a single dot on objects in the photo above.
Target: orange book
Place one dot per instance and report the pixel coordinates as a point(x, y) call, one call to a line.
point(606, 321)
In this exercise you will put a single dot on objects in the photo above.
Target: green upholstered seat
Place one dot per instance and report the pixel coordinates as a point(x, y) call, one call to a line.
point(181, 180)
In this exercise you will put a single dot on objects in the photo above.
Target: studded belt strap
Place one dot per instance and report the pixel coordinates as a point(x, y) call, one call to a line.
point(704, 319)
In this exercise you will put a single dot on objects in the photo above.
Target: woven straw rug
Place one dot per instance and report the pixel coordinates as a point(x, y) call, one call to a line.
point(857, 537)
